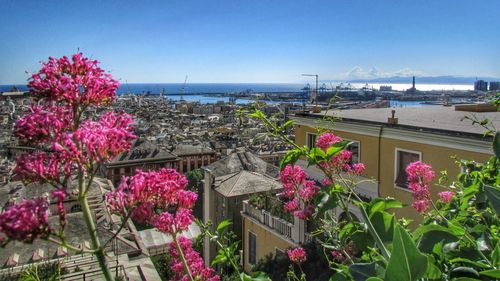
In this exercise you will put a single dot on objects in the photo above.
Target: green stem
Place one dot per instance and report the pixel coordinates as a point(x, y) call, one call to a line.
point(227, 254)
point(183, 258)
point(124, 222)
point(91, 227)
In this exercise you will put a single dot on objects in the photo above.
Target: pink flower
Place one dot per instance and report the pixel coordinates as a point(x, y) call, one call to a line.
point(42, 166)
point(26, 221)
point(326, 182)
point(297, 255)
point(173, 223)
point(44, 123)
point(326, 140)
point(194, 261)
point(162, 190)
point(446, 196)
point(337, 164)
point(309, 191)
point(292, 205)
point(298, 191)
point(420, 176)
point(421, 205)
point(104, 140)
point(60, 195)
point(76, 82)
point(338, 256)
point(419, 171)
point(358, 168)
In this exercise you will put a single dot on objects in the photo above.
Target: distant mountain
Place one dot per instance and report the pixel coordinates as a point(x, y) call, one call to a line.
point(458, 80)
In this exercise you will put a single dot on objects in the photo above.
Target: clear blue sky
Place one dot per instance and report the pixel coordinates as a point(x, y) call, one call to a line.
point(254, 41)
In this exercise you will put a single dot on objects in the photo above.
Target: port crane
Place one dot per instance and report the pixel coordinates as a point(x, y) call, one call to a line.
point(183, 90)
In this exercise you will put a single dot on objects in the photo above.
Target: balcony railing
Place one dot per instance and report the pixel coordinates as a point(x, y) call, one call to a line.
point(280, 226)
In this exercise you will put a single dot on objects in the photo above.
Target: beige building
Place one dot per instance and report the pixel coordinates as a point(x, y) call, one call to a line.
point(227, 183)
point(386, 144)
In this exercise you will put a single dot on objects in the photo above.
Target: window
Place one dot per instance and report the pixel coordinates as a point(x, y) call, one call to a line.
point(354, 149)
point(252, 245)
point(311, 140)
point(127, 170)
point(116, 171)
point(403, 159)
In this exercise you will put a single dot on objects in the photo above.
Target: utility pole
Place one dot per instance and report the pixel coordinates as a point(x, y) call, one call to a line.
point(316, 89)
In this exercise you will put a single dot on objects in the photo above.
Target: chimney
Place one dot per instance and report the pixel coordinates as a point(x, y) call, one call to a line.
point(392, 120)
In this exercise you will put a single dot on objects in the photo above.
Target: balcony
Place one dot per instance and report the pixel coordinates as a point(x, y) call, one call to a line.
point(275, 223)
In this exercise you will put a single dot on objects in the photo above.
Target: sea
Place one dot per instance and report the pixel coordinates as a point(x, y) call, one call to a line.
point(197, 91)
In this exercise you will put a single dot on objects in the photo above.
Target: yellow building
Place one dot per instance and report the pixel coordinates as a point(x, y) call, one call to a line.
point(386, 142)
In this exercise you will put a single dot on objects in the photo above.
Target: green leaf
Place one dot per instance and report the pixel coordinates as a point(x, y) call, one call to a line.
point(220, 258)
point(495, 254)
point(383, 223)
point(327, 202)
point(317, 154)
point(496, 144)
point(407, 263)
point(432, 272)
point(336, 148)
point(290, 157)
point(373, 232)
point(362, 271)
point(470, 262)
point(493, 194)
point(223, 224)
point(382, 204)
point(257, 114)
point(430, 235)
point(255, 276)
point(493, 273)
point(339, 277)
point(288, 123)
point(464, 272)
point(374, 279)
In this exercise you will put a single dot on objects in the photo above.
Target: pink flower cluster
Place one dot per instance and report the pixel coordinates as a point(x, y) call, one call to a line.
point(146, 192)
point(91, 142)
point(26, 220)
point(194, 261)
point(326, 140)
point(79, 81)
point(43, 167)
point(60, 195)
point(420, 175)
point(64, 90)
point(297, 255)
point(446, 196)
point(44, 123)
point(299, 191)
point(103, 140)
point(340, 162)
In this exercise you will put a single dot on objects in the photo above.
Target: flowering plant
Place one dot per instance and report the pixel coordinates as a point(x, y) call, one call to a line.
point(72, 144)
point(458, 237)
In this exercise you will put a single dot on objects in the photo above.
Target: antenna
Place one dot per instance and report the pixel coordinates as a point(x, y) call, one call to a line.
point(128, 89)
point(184, 88)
